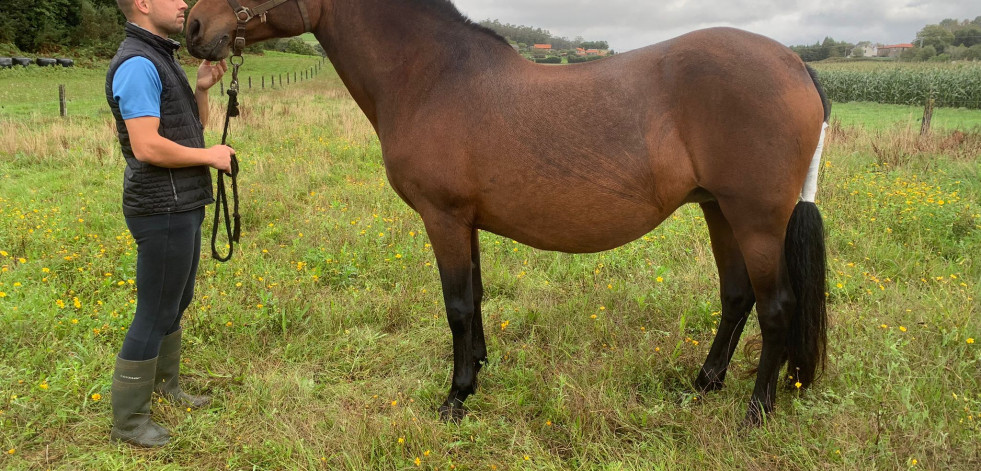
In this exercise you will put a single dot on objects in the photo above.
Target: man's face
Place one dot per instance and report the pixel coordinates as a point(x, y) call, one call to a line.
point(167, 15)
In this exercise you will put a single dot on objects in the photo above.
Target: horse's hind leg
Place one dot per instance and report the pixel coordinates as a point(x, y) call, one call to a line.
point(737, 299)
point(451, 241)
point(759, 228)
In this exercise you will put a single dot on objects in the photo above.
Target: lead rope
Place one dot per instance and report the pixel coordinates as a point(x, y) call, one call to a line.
point(221, 200)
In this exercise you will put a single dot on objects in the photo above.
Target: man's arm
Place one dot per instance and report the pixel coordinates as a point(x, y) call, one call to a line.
point(209, 73)
point(152, 148)
point(201, 96)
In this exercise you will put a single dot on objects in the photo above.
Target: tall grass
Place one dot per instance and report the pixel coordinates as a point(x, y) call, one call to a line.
point(325, 345)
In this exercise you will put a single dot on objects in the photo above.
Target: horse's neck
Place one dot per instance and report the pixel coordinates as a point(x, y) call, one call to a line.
point(384, 50)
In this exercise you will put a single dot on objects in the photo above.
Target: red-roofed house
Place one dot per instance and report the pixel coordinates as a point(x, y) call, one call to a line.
point(543, 47)
point(894, 50)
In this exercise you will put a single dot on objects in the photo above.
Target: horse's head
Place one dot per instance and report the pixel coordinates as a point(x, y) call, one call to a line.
point(212, 24)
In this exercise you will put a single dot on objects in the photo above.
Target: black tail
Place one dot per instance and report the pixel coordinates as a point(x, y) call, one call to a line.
point(824, 98)
point(806, 263)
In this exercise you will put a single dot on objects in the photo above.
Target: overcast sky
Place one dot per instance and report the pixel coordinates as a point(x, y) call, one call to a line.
point(629, 24)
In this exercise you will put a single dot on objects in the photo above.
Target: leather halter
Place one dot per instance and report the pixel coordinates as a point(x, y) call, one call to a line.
point(246, 14)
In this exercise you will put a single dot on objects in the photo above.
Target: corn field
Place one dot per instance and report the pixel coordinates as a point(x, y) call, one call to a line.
point(953, 85)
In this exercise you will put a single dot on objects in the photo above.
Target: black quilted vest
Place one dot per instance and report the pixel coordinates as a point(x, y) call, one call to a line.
point(148, 189)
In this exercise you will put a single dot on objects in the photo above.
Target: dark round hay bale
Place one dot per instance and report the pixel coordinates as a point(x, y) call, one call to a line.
point(6, 62)
point(45, 61)
point(24, 61)
point(66, 62)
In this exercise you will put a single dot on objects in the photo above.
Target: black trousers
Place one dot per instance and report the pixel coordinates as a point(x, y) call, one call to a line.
point(168, 250)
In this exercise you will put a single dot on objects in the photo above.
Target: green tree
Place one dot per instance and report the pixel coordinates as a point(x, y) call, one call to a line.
point(925, 53)
point(50, 25)
point(973, 53)
point(936, 36)
point(967, 36)
point(950, 24)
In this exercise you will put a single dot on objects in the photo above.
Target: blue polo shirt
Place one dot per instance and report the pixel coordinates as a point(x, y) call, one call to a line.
point(136, 87)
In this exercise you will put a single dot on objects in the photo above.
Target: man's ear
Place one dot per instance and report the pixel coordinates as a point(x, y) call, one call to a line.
point(142, 6)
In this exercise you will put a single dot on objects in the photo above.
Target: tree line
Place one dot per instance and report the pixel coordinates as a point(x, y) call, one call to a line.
point(525, 36)
point(950, 39)
point(88, 28)
point(47, 26)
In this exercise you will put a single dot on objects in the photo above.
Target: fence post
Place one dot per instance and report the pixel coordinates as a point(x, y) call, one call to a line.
point(927, 116)
point(263, 81)
point(288, 79)
point(61, 101)
point(250, 82)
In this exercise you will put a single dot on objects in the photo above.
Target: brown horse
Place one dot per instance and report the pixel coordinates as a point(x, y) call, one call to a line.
point(583, 158)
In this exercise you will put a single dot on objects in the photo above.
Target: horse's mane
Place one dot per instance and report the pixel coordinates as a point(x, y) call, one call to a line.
point(446, 9)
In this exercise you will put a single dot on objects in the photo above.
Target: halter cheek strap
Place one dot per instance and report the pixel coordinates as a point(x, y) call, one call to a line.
point(246, 14)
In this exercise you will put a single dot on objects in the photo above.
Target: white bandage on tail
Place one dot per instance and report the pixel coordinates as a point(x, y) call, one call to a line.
point(811, 184)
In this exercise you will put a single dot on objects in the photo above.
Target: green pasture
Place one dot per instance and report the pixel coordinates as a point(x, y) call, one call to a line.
point(34, 90)
point(324, 340)
point(871, 116)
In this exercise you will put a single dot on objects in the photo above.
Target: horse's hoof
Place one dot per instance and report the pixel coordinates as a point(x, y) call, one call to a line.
point(451, 414)
point(754, 416)
point(705, 385)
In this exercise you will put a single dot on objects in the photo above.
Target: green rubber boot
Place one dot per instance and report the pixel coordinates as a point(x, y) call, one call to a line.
point(168, 374)
point(132, 386)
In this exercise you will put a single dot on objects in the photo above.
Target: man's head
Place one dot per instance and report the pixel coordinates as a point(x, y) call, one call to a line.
point(161, 17)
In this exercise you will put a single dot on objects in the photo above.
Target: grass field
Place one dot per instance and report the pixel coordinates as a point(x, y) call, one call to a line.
point(325, 344)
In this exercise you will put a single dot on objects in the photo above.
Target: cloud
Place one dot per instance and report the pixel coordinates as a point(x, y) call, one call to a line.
point(629, 24)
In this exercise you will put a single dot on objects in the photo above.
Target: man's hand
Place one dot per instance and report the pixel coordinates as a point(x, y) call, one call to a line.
point(221, 158)
point(210, 73)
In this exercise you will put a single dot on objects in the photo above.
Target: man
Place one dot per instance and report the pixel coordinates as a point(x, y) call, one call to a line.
point(167, 184)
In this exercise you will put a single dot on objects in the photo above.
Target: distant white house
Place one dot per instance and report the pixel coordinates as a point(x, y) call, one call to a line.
point(869, 50)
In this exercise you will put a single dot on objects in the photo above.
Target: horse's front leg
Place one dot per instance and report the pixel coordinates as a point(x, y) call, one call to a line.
point(479, 345)
point(451, 239)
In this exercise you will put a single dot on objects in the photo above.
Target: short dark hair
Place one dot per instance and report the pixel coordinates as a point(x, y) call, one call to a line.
point(126, 6)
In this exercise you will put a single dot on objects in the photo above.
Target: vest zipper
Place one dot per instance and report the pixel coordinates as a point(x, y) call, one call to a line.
point(172, 184)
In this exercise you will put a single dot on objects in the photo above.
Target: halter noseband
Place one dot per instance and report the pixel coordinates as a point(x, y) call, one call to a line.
point(246, 14)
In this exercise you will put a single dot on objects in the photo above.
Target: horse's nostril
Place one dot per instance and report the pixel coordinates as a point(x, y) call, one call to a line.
point(192, 30)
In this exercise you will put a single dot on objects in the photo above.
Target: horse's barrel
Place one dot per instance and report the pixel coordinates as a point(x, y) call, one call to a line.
point(45, 61)
point(65, 62)
point(24, 61)
point(6, 62)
